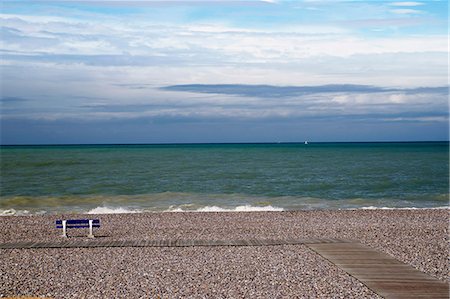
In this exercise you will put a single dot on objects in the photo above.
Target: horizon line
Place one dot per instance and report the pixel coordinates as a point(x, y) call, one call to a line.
point(221, 143)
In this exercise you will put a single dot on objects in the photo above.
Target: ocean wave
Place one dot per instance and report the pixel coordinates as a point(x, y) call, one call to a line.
point(9, 212)
point(14, 212)
point(245, 208)
point(406, 208)
point(107, 210)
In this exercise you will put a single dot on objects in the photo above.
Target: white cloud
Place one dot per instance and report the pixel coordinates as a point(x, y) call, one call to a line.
point(406, 3)
point(203, 43)
point(428, 119)
point(93, 57)
point(406, 11)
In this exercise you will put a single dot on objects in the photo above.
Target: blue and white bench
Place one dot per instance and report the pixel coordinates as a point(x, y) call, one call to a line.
point(78, 223)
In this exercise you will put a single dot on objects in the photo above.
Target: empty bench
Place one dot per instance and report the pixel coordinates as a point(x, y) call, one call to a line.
point(78, 223)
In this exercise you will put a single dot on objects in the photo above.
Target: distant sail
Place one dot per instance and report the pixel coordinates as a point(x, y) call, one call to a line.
point(306, 142)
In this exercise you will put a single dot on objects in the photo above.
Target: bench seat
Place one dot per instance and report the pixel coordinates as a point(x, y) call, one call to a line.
point(78, 223)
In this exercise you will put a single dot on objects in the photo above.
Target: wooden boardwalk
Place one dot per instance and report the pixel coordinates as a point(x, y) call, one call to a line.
point(86, 243)
point(383, 274)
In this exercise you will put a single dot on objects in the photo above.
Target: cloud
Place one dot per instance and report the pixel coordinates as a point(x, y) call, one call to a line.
point(406, 3)
point(384, 23)
point(268, 91)
point(12, 100)
point(166, 3)
point(197, 103)
point(197, 44)
point(99, 60)
point(405, 11)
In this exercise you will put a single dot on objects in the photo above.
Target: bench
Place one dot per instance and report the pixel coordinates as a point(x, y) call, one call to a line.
point(78, 223)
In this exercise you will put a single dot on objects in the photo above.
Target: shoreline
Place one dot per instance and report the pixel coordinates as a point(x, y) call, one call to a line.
point(418, 237)
point(108, 210)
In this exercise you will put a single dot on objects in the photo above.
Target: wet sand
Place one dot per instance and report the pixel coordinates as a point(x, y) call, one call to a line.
point(415, 237)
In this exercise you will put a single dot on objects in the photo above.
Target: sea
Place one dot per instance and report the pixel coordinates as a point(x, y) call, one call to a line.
point(222, 177)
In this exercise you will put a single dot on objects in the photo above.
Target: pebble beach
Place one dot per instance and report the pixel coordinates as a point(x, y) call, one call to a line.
point(418, 237)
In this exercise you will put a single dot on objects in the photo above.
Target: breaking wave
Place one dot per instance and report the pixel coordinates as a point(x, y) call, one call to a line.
point(246, 208)
point(106, 210)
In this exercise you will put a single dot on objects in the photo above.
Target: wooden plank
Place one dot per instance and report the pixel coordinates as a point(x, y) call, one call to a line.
point(340, 246)
point(290, 242)
point(8, 246)
point(383, 274)
point(77, 242)
point(369, 260)
point(221, 243)
point(312, 241)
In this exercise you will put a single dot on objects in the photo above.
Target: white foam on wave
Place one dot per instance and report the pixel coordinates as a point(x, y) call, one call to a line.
point(8, 212)
point(13, 212)
point(246, 208)
point(107, 210)
point(408, 208)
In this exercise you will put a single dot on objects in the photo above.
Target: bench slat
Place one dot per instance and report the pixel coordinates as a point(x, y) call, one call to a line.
point(78, 221)
point(77, 226)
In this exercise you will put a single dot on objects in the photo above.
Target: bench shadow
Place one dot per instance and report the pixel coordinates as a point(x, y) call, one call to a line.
point(86, 237)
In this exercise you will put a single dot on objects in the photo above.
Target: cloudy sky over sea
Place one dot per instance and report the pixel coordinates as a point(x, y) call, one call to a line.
point(223, 71)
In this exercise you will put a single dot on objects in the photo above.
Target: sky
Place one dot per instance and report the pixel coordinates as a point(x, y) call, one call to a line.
point(223, 71)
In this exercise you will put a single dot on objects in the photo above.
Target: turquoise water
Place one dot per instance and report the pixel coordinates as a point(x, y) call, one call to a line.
point(102, 178)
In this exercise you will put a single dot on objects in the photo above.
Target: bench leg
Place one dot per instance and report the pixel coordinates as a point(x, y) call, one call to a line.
point(64, 228)
point(91, 235)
